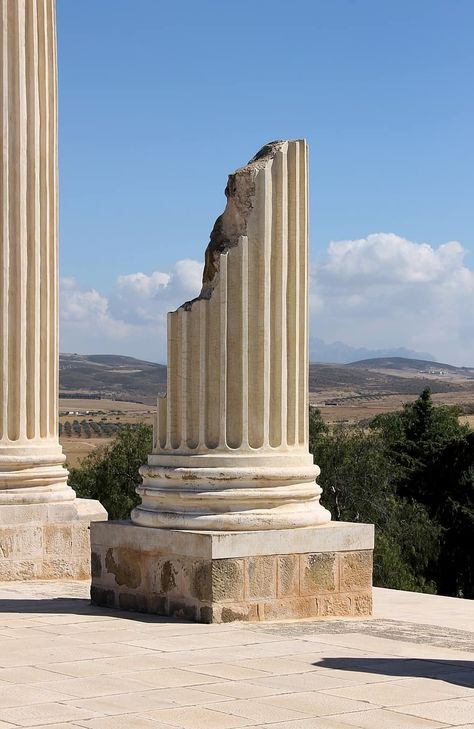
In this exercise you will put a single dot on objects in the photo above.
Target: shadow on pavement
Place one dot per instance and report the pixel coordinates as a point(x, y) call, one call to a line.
point(458, 672)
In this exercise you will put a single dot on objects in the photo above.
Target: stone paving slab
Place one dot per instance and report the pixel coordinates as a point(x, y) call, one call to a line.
point(64, 664)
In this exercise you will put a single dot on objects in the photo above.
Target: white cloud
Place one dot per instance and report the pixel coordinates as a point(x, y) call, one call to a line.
point(380, 291)
point(132, 319)
point(384, 290)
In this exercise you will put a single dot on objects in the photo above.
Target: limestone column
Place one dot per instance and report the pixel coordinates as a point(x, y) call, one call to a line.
point(31, 459)
point(231, 435)
point(33, 480)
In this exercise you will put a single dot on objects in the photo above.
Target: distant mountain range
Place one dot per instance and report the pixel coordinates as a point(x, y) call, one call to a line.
point(127, 378)
point(341, 353)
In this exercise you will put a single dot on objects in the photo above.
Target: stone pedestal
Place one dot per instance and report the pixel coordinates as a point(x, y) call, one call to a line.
point(218, 577)
point(230, 524)
point(47, 541)
point(34, 493)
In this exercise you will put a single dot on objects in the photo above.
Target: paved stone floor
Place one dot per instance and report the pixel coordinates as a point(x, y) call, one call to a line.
point(64, 664)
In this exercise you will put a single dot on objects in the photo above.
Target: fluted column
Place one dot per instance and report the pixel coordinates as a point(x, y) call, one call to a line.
point(231, 434)
point(31, 459)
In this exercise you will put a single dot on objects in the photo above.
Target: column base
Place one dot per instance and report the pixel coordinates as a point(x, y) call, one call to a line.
point(47, 541)
point(216, 577)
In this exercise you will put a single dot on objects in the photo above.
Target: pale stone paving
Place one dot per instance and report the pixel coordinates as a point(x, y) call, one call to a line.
point(64, 664)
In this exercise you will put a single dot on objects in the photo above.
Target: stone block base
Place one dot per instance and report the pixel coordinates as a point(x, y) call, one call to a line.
point(218, 577)
point(47, 541)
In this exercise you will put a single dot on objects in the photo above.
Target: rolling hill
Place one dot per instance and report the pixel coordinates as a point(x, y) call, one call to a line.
point(110, 376)
point(127, 378)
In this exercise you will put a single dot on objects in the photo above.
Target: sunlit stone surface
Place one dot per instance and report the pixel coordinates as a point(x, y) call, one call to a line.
point(35, 499)
point(230, 526)
point(231, 435)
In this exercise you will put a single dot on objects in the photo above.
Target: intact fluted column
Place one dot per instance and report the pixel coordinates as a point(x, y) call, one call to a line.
point(231, 435)
point(31, 459)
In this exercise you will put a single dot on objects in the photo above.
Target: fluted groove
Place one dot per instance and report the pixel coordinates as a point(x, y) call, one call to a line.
point(183, 377)
point(303, 321)
point(293, 293)
point(160, 426)
point(235, 362)
point(202, 324)
point(4, 250)
point(213, 373)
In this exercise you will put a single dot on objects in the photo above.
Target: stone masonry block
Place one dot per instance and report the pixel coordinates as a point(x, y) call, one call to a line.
point(81, 541)
point(57, 540)
point(355, 571)
point(201, 582)
point(21, 543)
point(18, 570)
point(228, 580)
point(125, 565)
point(142, 575)
point(290, 608)
point(261, 577)
point(334, 606)
point(362, 604)
point(96, 565)
point(319, 573)
point(288, 575)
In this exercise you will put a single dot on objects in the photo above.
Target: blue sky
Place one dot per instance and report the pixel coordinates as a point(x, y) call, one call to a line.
point(160, 101)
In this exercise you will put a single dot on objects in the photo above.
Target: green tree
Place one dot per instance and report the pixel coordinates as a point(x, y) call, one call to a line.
point(110, 474)
point(432, 454)
point(359, 482)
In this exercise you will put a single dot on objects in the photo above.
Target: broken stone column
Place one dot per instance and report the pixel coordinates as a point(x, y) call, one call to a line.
point(231, 434)
point(43, 527)
point(230, 524)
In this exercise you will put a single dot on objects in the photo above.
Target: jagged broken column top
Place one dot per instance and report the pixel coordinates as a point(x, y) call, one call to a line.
point(237, 398)
point(232, 224)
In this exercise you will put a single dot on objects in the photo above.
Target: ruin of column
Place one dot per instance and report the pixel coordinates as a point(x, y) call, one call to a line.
point(230, 525)
point(42, 525)
point(231, 434)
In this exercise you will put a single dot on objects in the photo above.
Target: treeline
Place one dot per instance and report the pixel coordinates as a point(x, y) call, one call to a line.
point(411, 473)
point(88, 429)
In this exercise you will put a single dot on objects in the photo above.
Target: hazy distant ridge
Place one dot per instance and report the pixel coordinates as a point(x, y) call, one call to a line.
point(341, 353)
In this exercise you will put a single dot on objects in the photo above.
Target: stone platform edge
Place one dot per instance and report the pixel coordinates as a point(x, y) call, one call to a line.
point(224, 576)
point(47, 541)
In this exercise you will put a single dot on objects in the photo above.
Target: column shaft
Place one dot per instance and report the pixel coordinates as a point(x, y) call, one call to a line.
point(30, 454)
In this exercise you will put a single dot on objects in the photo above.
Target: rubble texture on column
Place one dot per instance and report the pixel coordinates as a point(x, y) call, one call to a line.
point(33, 480)
point(231, 434)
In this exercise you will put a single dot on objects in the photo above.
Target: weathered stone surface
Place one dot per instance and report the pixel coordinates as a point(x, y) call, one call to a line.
point(290, 608)
point(18, 570)
point(124, 565)
point(319, 573)
point(228, 580)
point(103, 597)
point(288, 579)
point(245, 425)
point(201, 583)
point(356, 571)
point(35, 498)
point(96, 565)
point(21, 542)
point(58, 539)
point(224, 590)
point(362, 604)
point(261, 577)
point(334, 606)
point(231, 613)
point(81, 538)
